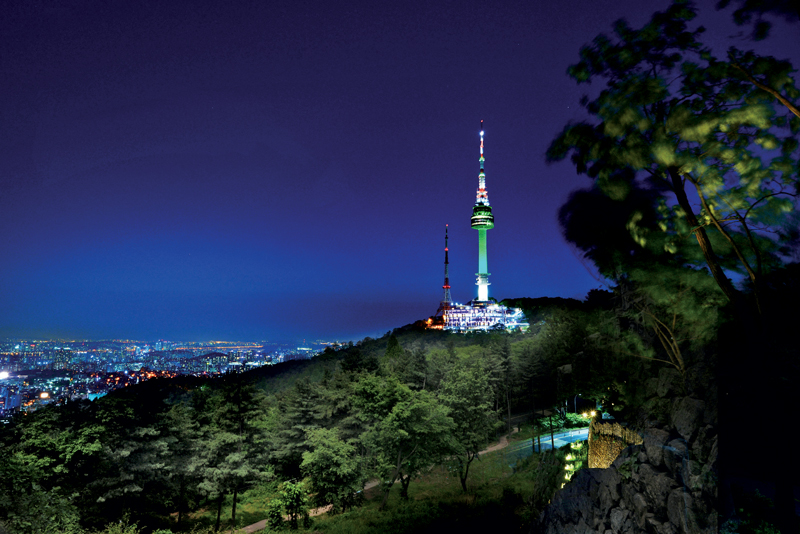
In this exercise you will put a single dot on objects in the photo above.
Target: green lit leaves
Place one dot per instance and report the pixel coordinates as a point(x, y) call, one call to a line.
point(660, 44)
point(665, 155)
point(716, 137)
point(639, 234)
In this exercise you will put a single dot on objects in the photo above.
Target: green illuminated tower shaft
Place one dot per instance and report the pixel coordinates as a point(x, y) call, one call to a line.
point(482, 220)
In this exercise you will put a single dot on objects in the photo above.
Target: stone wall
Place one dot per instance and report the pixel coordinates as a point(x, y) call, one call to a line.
point(607, 440)
point(603, 450)
point(666, 485)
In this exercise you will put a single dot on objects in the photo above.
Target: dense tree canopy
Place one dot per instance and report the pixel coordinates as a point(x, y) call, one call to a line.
point(715, 139)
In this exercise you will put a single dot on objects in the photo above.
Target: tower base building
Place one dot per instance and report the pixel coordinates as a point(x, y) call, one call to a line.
point(479, 315)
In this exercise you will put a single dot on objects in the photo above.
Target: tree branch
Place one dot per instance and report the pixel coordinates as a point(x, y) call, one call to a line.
point(736, 248)
point(702, 237)
point(768, 89)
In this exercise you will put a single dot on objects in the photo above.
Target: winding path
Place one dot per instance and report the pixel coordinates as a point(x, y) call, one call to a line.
point(261, 525)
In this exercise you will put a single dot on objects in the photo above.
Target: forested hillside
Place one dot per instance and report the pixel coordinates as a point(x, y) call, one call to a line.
point(386, 408)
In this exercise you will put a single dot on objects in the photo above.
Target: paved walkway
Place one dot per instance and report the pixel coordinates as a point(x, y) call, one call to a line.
point(502, 444)
point(255, 527)
point(561, 438)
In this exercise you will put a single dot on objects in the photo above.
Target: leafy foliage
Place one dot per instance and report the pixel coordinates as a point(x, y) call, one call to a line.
point(293, 499)
point(409, 430)
point(673, 117)
point(334, 470)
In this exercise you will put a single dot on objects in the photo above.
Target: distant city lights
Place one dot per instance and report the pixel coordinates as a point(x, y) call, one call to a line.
point(54, 372)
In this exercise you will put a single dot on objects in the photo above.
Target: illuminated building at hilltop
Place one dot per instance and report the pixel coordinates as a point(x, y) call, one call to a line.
point(481, 313)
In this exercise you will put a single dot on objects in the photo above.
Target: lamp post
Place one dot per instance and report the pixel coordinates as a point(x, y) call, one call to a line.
point(575, 402)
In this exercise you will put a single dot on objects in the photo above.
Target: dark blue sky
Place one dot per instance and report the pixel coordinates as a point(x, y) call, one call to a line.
point(279, 170)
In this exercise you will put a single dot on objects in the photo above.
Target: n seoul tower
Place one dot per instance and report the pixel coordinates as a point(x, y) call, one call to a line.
point(482, 220)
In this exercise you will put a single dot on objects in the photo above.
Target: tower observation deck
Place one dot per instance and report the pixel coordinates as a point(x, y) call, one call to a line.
point(482, 220)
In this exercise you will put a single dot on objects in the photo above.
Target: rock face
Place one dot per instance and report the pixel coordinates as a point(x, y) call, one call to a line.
point(667, 485)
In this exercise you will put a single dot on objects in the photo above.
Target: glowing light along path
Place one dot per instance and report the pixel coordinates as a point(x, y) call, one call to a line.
point(482, 220)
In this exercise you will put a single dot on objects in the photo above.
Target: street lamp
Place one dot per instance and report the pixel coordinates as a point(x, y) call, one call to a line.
point(575, 402)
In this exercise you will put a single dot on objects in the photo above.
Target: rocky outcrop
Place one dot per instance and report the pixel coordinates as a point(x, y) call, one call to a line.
point(666, 485)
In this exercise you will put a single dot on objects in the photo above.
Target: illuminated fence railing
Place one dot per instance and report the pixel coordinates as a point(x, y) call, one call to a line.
point(519, 450)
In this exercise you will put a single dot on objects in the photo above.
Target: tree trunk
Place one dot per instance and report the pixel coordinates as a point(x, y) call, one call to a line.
point(538, 433)
point(219, 512)
point(233, 509)
point(753, 327)
point(394, 478)
point(508, 406)
point(404, 482)
point(702, 238)
point(536, 429)
point(463, 473)
point(180, 502)
point(386, 493)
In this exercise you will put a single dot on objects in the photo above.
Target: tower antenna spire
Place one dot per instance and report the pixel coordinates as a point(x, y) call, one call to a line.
point(446, 301)
point(483, 195)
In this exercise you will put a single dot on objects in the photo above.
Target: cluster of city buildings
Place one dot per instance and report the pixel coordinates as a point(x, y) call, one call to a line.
point(481, 313)
point(37, 373)
point(28, 390)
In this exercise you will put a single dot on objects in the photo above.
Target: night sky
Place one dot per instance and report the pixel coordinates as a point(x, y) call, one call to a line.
point(284, 170)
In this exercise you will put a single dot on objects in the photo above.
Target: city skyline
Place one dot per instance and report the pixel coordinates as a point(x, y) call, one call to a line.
point(35, 373)
point(249, 171)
